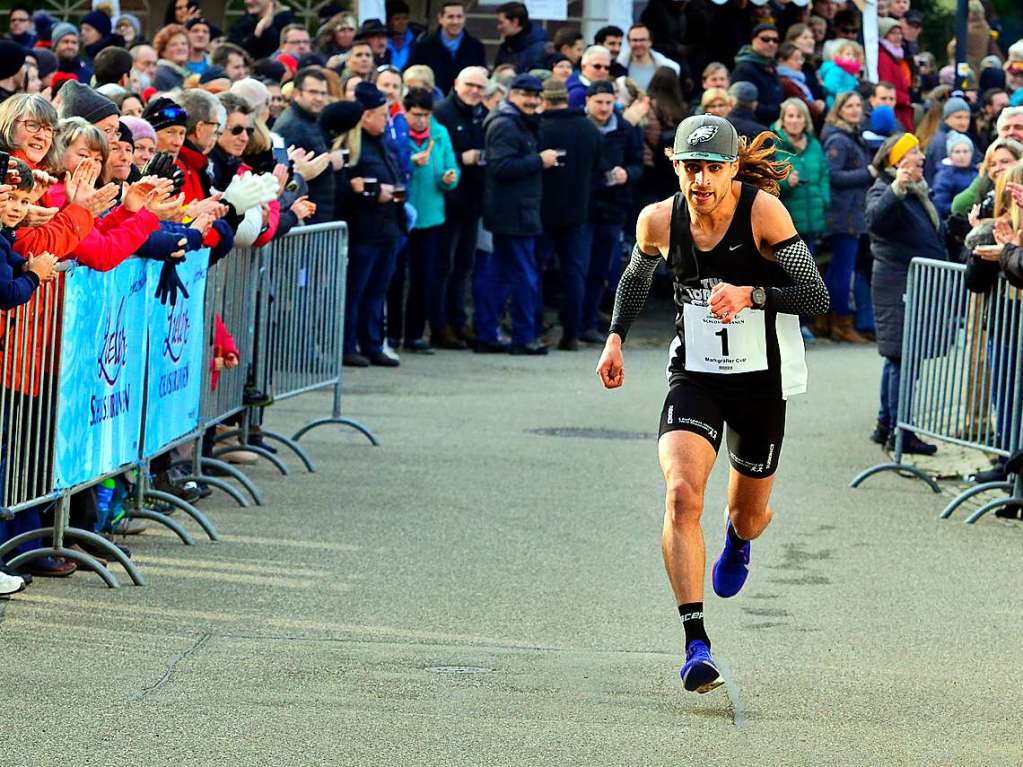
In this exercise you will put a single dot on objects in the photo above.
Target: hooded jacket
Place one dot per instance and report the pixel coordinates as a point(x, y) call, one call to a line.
point(751, 67)
point(809, 201)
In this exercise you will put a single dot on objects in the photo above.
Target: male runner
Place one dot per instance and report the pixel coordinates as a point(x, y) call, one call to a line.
point(742, 275)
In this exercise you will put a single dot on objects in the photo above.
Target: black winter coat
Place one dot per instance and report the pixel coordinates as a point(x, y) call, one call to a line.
point(745, 123)
point(900, 230)
point(524, 51)
point(430, 50)
point(299, 128)
point(372, 222)
point(243, 33)
point(465, 126)
point(514, 173)
point(623, 147)
point(567, 189)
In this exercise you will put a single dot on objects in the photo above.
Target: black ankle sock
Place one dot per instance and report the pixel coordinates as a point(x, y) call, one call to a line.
point(691, 614)
point(733, 536)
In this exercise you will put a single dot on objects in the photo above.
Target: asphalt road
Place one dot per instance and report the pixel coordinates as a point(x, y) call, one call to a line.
point(486, 588)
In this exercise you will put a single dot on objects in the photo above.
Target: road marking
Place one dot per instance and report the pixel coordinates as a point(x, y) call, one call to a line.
point(738, 712)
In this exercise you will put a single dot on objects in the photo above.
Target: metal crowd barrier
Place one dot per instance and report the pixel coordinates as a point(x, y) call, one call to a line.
point(30, 345)
point(962, 375)
point(300, 336)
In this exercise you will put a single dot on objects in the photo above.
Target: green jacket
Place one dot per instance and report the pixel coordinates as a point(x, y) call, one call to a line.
point(807, 202)
point(426, 191)
point(963, 202)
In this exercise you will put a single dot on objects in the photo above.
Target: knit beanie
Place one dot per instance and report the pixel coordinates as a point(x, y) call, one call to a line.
point(882, 120)
point(955, 138)
point(46, 61)
point(340, 117)
point(78, 100)
point(163, 113)
point(98, 21)
point(953, 105)
point(124, 133)
point(43, 23)
point(885, 25)
point(12, 59)
point(62, 29)
point(256, 94)
point(139, 128)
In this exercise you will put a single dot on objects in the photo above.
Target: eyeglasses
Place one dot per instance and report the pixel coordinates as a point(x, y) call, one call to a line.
point(34, 126)
point(239, 129)
point(599, 66)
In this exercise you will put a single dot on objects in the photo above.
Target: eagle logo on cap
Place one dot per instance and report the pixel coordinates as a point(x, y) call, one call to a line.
point(701, 134)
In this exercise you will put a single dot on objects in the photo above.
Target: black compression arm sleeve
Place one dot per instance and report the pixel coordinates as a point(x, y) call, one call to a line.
point(807, 295)
point(633, 289)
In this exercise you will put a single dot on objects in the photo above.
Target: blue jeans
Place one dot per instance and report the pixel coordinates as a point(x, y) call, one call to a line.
point(370, 268)
point(460, 236)
point(574, 262)
point(1002, 359)
point(891, 375)
point(509, 270)
point(864, 319)
point(604, 244)
point(838, 278)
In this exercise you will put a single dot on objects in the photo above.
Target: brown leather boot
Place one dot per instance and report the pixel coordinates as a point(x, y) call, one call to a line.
point(842, 330)
point(446, 339)
point(821, 325)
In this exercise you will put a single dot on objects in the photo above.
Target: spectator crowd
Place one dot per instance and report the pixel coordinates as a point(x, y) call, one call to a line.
point(480, 187)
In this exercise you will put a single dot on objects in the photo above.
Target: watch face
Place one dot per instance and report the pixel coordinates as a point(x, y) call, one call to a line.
point(759, 296)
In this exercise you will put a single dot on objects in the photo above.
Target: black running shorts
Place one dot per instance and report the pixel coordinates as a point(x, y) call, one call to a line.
point(755, 426)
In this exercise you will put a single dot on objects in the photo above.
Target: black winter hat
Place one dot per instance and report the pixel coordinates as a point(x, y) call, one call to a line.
point(46, 60)
point(340, 117)
point(77, 100)
point(12, 59)
point(213, 72)
point(163, 113)
point(269, 69)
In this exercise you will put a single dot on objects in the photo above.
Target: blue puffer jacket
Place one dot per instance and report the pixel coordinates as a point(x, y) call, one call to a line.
point(850, 179)
point(948, 182)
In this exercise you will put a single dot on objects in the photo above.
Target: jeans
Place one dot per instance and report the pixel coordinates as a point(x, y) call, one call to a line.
point(891, 375)
point(574, 262)
point(459, 246)
point(510, 270)
point(838, 278)
point(427, 264)
point(864, 319)
point(604, 244)
point(370, 268)
point(1002, 358)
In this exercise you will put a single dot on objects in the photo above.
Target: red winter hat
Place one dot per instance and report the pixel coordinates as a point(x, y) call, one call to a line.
point(289, 61)
point(58, 80)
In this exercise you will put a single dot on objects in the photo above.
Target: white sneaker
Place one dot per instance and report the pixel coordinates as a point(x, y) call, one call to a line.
point(390, 353)
point(10, 584)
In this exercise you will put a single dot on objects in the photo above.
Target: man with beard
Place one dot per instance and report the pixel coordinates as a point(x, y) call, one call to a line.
point(67, 48)
point(742, 276)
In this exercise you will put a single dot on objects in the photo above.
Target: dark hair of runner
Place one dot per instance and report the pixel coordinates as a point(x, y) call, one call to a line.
point(757, 163)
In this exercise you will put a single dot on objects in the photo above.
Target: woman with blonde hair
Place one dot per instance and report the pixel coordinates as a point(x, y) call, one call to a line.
point(851, 176)
point(336, 36)
point(716, 101)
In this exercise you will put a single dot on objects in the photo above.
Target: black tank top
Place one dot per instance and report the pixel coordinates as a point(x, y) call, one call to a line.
point(737, 260)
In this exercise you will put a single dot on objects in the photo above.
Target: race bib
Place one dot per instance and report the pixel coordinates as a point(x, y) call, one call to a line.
point(714, 347)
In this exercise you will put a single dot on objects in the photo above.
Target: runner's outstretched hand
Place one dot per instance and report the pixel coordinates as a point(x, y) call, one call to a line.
point(610, 368)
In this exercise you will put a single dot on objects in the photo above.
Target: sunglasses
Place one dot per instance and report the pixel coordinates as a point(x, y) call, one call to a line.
point(239, 129)
point(769, 40)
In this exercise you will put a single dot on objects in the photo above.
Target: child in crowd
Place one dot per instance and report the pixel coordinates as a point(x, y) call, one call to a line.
point(19, 277)
point(955, 172)
point(842, 72)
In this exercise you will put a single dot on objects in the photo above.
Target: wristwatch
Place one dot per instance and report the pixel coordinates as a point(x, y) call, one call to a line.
point(758, 298)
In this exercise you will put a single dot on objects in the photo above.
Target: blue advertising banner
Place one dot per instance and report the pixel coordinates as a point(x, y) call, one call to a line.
point(99, 407)
point(175, 356)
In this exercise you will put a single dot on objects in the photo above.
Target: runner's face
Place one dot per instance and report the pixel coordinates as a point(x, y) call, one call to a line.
point(705, 182)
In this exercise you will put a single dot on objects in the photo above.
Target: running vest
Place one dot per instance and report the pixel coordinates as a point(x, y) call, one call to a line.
point(760, 353)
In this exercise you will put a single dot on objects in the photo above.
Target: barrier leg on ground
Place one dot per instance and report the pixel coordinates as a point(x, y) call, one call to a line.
point(163, 519)
point(1014, 499)
point(206, 462)
point(220, 484)
point(186, 507)
point(261, 452)
point(973, 491)
point(897, 465)
point(294, 447)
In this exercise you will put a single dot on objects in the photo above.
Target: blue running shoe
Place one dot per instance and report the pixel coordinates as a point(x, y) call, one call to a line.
point(731, 568)
point(699, 674)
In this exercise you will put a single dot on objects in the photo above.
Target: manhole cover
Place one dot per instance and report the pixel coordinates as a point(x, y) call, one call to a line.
point(460, 670)
point(585, 433)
